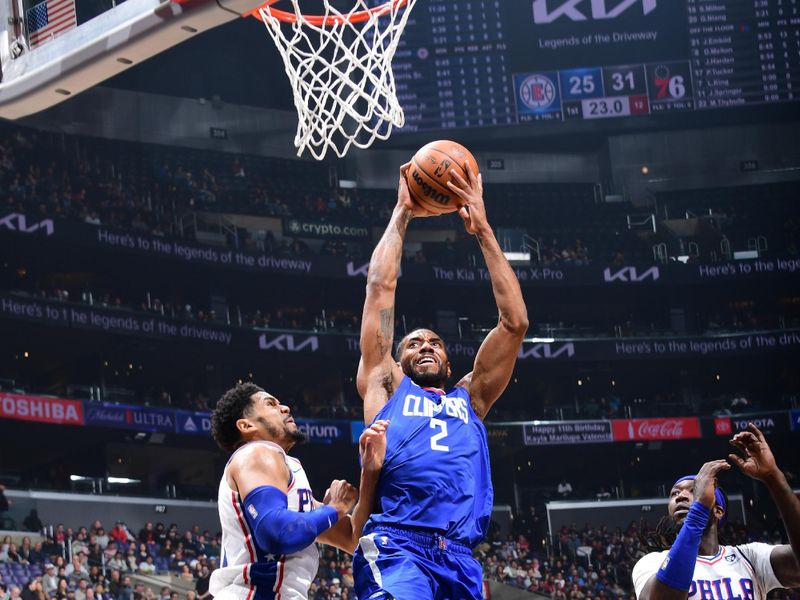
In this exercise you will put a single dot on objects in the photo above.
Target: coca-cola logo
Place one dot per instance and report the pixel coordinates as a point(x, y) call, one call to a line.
point(656, 429)
point(664, 429)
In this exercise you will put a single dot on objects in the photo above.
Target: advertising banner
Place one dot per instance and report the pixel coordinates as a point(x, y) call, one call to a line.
point(549, 433)
point(138, 418)
point(54, 231)
point(324, 230)
point(41, 409)
point(18, 306)
point(677, 428)
point(509, 434)
point(325, 432)
point(110, 320)
point(193, 423)
point(768, 423)
point(794, 416)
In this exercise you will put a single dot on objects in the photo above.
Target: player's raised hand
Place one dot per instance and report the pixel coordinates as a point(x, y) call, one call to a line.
point(470, 190)
point(372, 446)
point(342, 496)
point(755, 458)
point(404, 198)
point(705, 483)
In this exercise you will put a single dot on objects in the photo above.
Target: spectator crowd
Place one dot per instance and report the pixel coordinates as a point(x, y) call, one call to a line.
point(92, 563)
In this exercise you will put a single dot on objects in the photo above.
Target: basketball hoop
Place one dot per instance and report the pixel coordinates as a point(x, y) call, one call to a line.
point(340, 68)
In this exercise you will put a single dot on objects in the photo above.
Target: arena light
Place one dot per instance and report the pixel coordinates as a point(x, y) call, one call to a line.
point(79, 478)
point(348, 184)
point(123, 480)
point(542, 340)
point(518, 258)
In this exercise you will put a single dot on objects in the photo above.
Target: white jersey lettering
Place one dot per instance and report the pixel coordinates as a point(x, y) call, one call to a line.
point(733, 573)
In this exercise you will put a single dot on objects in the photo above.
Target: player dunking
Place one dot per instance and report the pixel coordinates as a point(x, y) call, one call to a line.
point(268, 513)
point(696, 566)
point(435, 490)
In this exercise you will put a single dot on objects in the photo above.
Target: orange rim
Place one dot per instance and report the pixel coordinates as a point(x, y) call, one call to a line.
point(328, 21)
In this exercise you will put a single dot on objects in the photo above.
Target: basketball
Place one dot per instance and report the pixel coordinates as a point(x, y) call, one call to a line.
point(429, 173)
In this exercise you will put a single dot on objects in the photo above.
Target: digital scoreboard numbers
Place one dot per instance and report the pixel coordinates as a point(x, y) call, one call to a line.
point(604, 93)
point(497, 63)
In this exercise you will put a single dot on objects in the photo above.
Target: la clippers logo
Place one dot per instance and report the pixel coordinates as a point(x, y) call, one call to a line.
point(18, 222)
point(577, 9)
point(287, 343)
point(631, 275)
point(537, 92)
point(547, 351)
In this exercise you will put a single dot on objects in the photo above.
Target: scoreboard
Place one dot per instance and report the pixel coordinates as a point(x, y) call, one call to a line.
point(501, 62)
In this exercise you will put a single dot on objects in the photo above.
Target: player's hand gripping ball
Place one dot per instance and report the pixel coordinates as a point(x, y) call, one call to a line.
point(429, 172)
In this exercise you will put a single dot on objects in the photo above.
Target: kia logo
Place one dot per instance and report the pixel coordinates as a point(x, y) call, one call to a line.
point(630, 274)
point(547, 351)
point(576, 10)
point(18, 222)
point(354, 271)
point(287, 343)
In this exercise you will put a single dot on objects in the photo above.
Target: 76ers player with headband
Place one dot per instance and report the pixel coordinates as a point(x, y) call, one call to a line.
point(435, 490)
point(696, 566)
point(269, 517)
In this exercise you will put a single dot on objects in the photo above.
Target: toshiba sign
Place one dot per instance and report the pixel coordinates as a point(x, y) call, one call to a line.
point(679, 428)
point(41, 409)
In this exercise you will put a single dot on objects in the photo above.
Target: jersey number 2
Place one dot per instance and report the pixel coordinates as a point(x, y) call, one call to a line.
point(435, 445)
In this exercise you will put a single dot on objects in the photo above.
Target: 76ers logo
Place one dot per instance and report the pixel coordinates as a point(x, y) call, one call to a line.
point(537, 92)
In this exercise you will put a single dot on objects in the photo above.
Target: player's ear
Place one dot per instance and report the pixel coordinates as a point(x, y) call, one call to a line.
point(244, 425)
point(719, 512)
point(449, 369)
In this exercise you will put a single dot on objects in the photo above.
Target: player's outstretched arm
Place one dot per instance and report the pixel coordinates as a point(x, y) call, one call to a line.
point(261, 477)
point(755, 459)
point(671, 578)
point(378, 374)
point(372, 448)
point(496, 357)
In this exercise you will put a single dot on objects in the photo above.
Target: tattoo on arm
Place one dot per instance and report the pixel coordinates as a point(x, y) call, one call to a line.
point(386, 334)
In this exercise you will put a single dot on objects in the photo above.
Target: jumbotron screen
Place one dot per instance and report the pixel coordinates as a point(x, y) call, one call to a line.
point(502, 62)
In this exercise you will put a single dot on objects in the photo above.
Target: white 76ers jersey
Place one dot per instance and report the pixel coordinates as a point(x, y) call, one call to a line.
point(733, 573)
point(247, 573)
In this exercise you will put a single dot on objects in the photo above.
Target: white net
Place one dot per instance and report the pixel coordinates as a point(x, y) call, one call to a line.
point(341, 74)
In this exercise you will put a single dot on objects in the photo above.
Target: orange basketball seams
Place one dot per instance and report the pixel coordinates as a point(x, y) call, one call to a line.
point(430, 171)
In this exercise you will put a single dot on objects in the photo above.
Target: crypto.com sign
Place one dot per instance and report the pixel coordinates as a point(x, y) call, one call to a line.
point(583, 10)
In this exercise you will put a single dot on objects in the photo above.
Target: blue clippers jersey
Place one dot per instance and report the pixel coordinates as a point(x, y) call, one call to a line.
point(436, 474)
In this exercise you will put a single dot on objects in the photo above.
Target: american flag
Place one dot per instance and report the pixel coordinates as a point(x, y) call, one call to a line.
point(49, 19)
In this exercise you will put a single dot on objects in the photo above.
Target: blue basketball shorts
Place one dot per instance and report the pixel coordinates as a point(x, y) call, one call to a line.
point(402, 564)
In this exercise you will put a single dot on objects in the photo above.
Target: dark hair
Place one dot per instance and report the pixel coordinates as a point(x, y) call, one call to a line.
point(661, 537)
point(231, 407)
point(666, 530)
